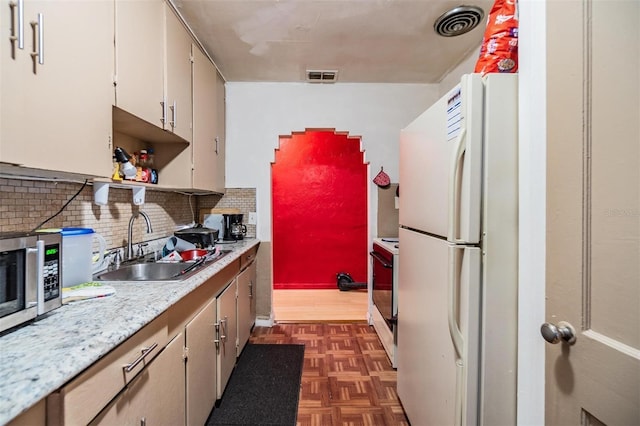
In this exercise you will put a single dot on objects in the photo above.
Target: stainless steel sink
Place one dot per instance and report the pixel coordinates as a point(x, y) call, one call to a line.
point(157, 271)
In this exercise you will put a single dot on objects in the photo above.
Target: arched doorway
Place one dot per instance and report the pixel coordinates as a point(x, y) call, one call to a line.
point(319, 202)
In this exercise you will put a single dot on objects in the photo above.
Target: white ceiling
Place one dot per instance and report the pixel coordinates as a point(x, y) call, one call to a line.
point(372, 41)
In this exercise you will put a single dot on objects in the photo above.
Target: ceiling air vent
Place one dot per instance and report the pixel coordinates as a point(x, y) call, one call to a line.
point(322, 76)
point(458, 21)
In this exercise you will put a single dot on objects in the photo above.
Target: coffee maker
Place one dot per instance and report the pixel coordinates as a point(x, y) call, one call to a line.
point(233, 228)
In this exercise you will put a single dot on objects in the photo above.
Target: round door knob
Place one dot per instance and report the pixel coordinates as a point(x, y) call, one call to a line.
point(562, 332)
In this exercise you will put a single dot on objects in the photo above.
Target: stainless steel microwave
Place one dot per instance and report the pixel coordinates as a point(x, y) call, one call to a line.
point(30, 276)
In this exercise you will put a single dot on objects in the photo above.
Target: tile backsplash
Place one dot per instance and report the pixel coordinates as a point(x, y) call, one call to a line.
point(28, 203)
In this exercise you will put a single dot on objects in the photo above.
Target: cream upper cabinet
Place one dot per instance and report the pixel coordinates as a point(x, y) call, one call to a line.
point(220, 133)
point(153, 65)
point(205, 147)
point(139, 59)
point(201, 167)
point(177, 76)
point(56, 90)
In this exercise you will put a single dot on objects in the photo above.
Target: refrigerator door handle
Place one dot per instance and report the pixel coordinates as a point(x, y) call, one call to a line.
point(455, 187)
point(452, 297)
point(454, 328)
point(463, 309)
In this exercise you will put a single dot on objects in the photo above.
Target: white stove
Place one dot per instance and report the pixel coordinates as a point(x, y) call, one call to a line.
point(391, 244)
point(385, 257)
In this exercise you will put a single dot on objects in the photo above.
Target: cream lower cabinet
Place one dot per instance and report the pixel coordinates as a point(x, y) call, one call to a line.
point(79, 401)
point(156, 396)
point(144, 380)
point(200, 341)
point(227, 335)
point(35, 416)
point(246, 304)
point(55, 108)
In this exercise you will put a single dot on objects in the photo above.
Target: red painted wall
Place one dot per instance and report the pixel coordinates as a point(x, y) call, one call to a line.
point(319, 199)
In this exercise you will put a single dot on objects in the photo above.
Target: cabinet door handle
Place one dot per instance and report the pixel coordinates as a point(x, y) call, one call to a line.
point(174, 113)
point(216, 141)
point(38, 42)
point(145, 351)
point(223, 325)
point(251, 289)
point(163, 118)
point(19, 37)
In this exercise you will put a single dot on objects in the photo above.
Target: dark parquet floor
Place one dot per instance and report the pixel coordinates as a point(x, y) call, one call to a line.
point(347, 378)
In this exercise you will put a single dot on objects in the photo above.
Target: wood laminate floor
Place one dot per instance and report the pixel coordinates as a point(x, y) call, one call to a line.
point(320, 305)
point(347, 378)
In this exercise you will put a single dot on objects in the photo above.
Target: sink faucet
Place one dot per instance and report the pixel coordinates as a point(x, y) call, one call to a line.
point(130, 232)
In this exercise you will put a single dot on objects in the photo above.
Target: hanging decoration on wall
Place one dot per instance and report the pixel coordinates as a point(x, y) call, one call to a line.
point(382, 179)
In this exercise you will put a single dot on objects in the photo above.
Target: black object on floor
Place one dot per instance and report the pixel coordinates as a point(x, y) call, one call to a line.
point(264, 388)
point(346, 283)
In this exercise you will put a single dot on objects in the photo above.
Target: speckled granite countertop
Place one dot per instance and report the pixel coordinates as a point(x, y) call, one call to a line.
point(38, 358)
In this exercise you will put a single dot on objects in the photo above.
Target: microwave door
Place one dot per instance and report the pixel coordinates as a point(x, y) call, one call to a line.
point(12, 294)
point(18, 289)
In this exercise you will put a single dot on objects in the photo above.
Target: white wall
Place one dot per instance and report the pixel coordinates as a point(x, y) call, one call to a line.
point(466, 66)
point(258, 113)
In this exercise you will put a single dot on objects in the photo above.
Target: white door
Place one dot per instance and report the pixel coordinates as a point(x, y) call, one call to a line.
point(593, 212)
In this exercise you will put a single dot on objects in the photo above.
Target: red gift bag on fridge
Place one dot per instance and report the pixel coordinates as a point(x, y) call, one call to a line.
point(499, 51)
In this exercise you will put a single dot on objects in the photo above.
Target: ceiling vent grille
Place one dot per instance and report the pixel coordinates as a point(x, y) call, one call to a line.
point(322, 76)
point(458, 21)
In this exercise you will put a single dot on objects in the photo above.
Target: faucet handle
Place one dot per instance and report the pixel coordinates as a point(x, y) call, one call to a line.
point(116, 259)
point(141, 246)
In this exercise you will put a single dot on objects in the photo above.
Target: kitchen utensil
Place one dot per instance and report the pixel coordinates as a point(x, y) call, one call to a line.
point(193, 254)
point(191, 267)
point(238, 230)
point(199, 235)
point(202, 259)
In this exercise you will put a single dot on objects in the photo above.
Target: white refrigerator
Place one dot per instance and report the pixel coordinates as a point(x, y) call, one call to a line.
point(457, 289)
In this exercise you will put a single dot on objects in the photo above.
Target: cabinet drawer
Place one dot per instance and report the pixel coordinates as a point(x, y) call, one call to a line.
point(82, 398)
point(34, 416)
point(155, 397)
point(248, 257)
